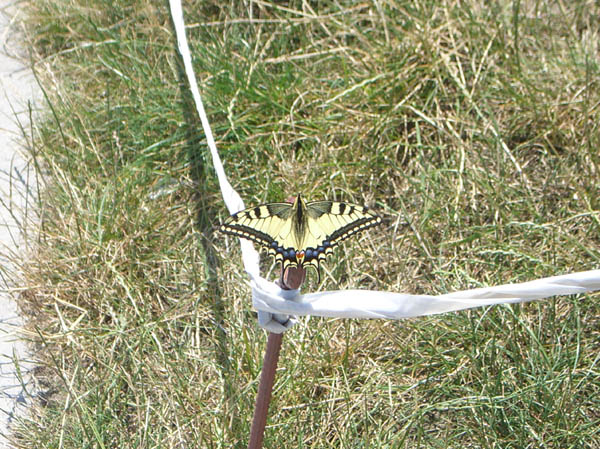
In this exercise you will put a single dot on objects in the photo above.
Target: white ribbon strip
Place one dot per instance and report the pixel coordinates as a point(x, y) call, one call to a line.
point(232, 199)
point(274, 305)
point(388, 305)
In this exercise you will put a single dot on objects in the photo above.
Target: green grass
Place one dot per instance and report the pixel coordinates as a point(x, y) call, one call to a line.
point(473, 130)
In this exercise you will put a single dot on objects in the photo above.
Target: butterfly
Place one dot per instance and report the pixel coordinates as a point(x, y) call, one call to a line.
point(300, 234)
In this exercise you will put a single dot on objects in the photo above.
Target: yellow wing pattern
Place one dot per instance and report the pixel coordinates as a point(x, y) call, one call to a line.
point(300, 234)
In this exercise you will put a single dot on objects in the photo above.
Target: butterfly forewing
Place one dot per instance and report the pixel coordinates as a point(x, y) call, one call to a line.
point(260, 224)
point(336, 221)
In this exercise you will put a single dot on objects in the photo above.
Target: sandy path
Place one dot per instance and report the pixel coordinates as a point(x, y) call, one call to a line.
point(17, 89)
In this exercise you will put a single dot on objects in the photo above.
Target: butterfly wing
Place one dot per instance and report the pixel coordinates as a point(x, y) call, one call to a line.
point(329, 223)
point(269, 225)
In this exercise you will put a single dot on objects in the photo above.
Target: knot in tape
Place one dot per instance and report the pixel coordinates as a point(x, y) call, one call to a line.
point(265, 295)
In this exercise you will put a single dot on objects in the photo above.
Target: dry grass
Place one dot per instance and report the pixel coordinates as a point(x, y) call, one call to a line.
point(473, 129)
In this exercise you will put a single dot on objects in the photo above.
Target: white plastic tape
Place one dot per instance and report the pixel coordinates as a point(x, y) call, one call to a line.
point(277, 307)
point(231, 198)
point(389, 305)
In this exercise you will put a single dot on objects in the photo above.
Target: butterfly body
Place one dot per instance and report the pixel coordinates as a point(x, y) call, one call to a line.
point(300, 234)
